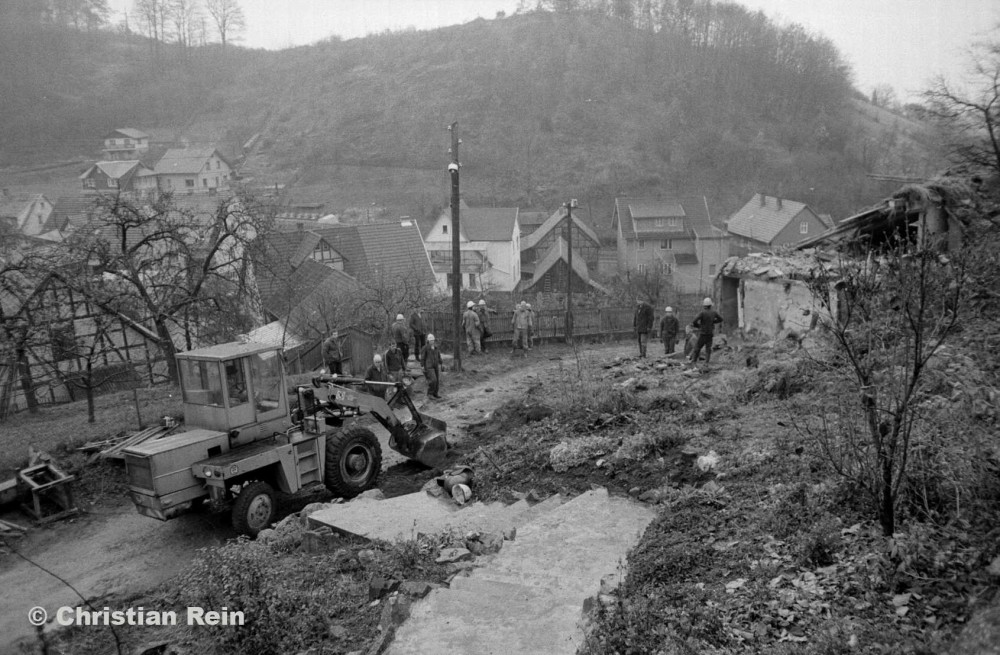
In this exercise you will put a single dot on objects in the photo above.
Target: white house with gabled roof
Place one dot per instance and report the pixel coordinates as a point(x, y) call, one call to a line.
point(490, 243)
point(192, 170)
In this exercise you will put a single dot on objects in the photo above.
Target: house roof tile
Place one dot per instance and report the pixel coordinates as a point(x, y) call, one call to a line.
point(761, 219)
point(693, 210)
point(186, 161)
point(551, 223)
point(559, 252)
point(113, 169)
point(129, 132)
point(487, 223)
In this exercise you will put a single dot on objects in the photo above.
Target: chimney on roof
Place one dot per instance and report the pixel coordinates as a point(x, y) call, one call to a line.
point(763, 200)
point(778, 198)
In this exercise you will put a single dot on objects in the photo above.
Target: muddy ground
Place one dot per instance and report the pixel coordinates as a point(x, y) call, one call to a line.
point(110, 550)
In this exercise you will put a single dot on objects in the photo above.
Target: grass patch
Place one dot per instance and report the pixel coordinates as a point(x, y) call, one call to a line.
point(63, 427)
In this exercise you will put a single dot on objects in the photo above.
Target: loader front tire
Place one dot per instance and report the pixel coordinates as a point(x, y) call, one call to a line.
point(254, 509)
point(353, 461)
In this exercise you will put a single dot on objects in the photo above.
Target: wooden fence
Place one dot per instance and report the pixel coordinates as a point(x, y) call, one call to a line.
point(357, 347)
point(550, 324)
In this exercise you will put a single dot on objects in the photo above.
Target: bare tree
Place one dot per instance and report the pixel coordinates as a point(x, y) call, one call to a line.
point(888, 316)
point(186, 272)
point(185, 16)
point(971, 117)
point(228, 18)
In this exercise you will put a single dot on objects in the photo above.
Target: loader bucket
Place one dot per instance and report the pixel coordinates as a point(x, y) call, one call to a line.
point(423, 441)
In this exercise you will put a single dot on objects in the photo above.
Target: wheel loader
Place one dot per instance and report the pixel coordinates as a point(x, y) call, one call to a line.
point(242, 442)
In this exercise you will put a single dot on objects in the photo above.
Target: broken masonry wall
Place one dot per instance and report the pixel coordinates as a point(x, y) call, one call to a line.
point(770, 306)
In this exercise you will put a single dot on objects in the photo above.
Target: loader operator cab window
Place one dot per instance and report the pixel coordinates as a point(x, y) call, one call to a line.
point(266, 374)
point(236, 383)
point(201, 382)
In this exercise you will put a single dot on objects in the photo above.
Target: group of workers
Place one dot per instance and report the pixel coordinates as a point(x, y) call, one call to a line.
point(700, 332)
point(391, 366)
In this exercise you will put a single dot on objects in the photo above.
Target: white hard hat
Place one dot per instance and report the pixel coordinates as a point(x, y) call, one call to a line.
point(669, 309)
point(377, 358)
point(470, 304)
point(528, 306)
point(430, 337)
point(482, 302)
point(399, 317)
point(706, 301)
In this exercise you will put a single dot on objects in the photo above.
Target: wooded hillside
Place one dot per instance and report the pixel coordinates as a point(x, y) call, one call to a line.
point(709, 99)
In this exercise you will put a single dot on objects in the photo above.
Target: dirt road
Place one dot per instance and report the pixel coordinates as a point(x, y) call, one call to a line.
point(111, 549)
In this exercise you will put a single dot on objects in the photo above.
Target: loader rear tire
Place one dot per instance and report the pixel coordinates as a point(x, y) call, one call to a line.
point(353, 461)
point(254, 509)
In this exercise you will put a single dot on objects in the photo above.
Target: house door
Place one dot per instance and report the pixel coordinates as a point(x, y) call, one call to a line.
point(730, 303)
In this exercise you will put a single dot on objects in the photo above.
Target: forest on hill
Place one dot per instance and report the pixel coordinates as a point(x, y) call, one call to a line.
point(708, 99)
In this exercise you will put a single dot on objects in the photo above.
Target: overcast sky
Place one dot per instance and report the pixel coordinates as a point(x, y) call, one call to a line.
point(898, 42)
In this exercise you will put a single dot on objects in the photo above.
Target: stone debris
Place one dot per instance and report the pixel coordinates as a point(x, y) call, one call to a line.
point(379, 587)
point(567, 454)
point(707, 462)
point(417, 588)
point(449, 555)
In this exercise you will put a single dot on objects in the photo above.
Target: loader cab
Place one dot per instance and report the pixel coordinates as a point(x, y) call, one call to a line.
point(237, 388)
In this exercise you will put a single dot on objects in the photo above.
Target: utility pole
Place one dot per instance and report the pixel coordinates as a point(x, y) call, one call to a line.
point(569, 269)
point(456, 250)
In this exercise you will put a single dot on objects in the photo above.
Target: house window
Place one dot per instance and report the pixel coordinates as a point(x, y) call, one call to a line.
point(711, 269)
point(444, 229)
point(326, 255)
point(112, 182)
point(451, 280)
point(641, 268)
point(804, 227)
point(218, 164)
point(472, 281)
point(189, 183)
point(63, 342)
point(666, 244)
point(204, 181)
point(642, 244)
point(89, 183)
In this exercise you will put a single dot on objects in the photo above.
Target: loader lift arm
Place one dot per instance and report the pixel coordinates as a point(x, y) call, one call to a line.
point(421, 438)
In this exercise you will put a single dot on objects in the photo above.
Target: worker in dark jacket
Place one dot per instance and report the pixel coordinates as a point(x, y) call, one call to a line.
point(377, 373)
point(430, 361)
point(669, 327)
point(484, 332)
point(643, 323)
point(705, 324)
point(395, 364)
point(418, 328)
point(332, 354)
point(401, 335)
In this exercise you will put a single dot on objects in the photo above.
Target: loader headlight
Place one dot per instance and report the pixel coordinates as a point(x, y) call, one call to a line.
point(233, 470)
point(207, 471)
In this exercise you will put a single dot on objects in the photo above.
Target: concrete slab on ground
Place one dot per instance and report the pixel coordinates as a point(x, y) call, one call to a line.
point(403, 517)
point(528, 598)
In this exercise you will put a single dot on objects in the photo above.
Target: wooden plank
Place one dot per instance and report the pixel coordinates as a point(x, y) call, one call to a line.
point(155, 432)
point(10, 526)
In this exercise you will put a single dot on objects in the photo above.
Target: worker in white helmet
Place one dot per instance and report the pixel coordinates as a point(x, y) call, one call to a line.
point(705, 323)
point(401, 335)
point(669, 327)
point(473, 328)
point(430, 360)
